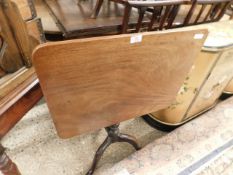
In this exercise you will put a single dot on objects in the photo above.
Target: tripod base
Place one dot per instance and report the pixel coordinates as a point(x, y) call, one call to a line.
point(114, 135)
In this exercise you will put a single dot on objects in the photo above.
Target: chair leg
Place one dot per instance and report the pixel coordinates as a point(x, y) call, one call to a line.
point(7, 167)
point(126, 18)
point(141, 12)
point(114, 135)
point(97, 8)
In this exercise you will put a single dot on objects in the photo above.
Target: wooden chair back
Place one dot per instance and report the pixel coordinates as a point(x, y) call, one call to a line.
point(162, 12)
point(204, 11)
point(93, 83)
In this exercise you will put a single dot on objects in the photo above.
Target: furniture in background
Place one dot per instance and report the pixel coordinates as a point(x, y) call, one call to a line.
point(212, 71)
point(8, 164)
point(20, 33)
point(97, 17)
point(74, 20)
point(205, 11)
point(164, 12)
point(48, 23)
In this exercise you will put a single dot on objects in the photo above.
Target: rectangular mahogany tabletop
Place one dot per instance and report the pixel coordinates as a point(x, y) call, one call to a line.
point(96, 82)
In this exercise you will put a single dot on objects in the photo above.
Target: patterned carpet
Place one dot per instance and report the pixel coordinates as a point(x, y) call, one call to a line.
point(203, 146)
point(222, 165)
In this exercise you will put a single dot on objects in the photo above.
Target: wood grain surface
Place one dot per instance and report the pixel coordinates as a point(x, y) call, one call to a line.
point(12, 59)
point(96, 82)
point(15, 88)
point(19, 29)
point(35, 32)
point(48, 23)
point(19, 108)
point(26, 8)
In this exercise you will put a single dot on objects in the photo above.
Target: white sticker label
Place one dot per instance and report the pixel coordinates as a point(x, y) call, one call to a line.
point(136, 39)
point(198, 36)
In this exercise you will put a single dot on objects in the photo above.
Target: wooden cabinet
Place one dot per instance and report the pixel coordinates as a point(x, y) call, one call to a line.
point(20, 32)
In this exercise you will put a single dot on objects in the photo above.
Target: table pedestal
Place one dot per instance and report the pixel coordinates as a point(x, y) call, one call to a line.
point(114, 135)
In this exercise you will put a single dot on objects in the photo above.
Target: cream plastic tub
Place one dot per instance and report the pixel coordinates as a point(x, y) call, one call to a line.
point(210, 74)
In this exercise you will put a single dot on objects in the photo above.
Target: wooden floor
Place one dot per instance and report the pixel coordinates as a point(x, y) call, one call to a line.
point(74, 19)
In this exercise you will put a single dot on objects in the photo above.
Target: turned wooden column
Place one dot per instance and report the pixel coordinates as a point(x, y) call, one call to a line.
point(7, 167)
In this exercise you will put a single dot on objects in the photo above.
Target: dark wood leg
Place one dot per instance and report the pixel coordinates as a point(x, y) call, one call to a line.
point(129, 139)
point(114, 135)
point(126, 18)
point(97, 8)
point(99, 154)
point(141, 12)
point(7, 167)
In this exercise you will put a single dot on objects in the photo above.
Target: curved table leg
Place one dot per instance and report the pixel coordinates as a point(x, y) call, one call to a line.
point(129, 139)
point(99, 153)
point(7, 167)
point(114, 135)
